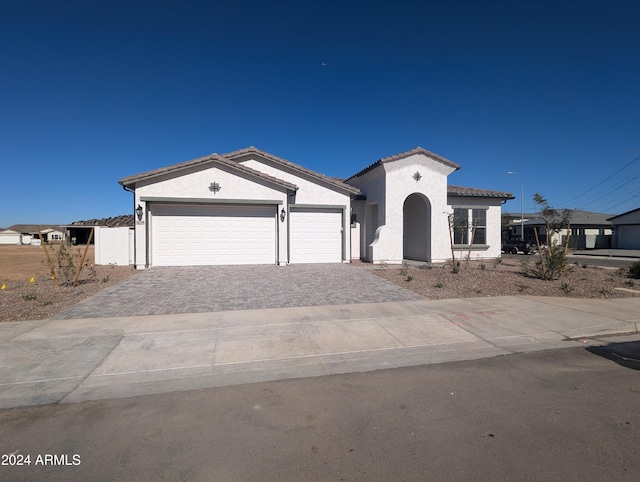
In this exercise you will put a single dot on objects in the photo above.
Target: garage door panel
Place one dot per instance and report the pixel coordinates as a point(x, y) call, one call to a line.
point(316, 236)
point(213, 235)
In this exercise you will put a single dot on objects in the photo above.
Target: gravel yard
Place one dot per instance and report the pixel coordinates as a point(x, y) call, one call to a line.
point(511, 277)
point(22, 299)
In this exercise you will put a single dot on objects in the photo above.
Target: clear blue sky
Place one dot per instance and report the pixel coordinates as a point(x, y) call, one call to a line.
point(91, 92)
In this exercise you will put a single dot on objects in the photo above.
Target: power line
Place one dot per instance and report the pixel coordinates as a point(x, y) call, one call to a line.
point(566, 203)
point(613, 189)
point(610, 208)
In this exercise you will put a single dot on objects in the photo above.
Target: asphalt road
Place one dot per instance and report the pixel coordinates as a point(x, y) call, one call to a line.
point(568, 414)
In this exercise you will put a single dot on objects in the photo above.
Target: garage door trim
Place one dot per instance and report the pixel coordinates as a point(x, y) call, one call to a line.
point(293, 208)
point(150, 229)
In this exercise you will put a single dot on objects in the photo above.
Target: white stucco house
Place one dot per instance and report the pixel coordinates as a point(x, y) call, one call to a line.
point(251, 207)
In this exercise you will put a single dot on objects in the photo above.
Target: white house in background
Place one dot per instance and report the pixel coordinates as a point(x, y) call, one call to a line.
point(9, 236)
point(251, 207)
point(626, 230)
point(30, 234)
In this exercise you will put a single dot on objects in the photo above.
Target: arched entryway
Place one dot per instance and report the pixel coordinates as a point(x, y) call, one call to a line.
point(416, 228)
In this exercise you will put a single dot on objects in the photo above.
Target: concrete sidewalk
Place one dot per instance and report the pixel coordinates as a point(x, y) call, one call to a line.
point(53, 361)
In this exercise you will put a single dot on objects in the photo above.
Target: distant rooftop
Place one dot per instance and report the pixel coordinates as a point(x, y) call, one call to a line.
point(122, 220)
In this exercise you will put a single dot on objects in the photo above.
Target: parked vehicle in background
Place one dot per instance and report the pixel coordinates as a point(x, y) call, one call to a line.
point(514, 245)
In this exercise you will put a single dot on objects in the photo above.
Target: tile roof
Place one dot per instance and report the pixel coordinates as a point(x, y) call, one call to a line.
point(295, 167)
point(475, 192)
point(402, 155)
point(122, 220)
point(213, 159)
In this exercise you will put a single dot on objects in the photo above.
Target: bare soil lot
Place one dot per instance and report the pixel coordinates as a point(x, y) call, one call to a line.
point(22, 299)
point(512, 277)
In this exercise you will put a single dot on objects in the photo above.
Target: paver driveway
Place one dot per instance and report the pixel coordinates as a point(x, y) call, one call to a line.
point(199, 289)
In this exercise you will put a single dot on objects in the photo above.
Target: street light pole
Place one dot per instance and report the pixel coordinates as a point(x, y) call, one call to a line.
point(521, 202)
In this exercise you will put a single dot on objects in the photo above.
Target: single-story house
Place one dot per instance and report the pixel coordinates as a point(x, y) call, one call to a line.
point(512, 224)
point(626, 230)
point(588, 230)
point(251, 207)
point(30, 233)
point(9, 236)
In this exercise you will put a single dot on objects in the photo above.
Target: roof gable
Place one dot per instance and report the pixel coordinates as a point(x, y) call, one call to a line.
point(237, 155)
point(213, 159)
point(633, 211)
point(404, 155)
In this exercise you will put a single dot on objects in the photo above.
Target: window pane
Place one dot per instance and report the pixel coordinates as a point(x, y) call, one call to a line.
point(460, 226)
point(480, 236)
point(480, 223)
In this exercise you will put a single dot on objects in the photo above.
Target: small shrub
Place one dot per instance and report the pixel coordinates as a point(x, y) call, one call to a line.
point(105, 279)
point(566, 288)
point(604, 291)
point(63, 262)
point(630, 283)
point(521, 287)
point(455, 267)
point(634, 269)
point(29, 296)
point(497, 262)
point(438, 285)
point(408, 278)
point(405, 269)
point(483, 266)
point(584, 266)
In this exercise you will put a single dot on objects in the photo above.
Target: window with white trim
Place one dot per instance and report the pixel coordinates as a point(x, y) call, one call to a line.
point(469, 223)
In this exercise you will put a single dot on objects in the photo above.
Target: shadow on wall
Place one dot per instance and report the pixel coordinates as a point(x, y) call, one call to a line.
point(625, 354)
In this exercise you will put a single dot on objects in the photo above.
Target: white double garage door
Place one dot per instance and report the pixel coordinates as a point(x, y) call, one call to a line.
point(221, 234)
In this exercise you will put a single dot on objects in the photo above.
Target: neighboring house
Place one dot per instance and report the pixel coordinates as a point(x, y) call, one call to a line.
point(8, 236)
point(626, 230)
point(512, 224)
point(79, 232)
point(251, 207)
point(30, 233)
point(588, 230)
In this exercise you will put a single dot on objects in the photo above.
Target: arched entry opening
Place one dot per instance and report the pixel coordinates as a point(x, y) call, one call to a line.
point(416, 228)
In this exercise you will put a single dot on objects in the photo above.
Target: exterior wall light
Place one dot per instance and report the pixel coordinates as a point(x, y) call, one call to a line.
point(283, 215)
point(139, 212)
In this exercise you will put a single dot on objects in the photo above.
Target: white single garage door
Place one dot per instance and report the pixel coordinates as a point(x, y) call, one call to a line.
point(316, 236)
point(189, 235)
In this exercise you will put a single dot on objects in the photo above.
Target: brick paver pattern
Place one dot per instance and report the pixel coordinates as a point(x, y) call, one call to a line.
point(201, 289)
